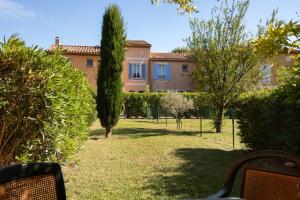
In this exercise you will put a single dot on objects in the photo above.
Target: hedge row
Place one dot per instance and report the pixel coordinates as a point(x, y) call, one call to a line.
point(267, 121)
point(149, 105)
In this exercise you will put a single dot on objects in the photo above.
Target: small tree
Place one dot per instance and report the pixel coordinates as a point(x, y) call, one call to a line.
point(109, 83)
point(228, 64)
point(176, 104)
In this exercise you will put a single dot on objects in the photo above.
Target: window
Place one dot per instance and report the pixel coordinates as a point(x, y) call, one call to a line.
point(141, 91)
point(266, 72)
point(162, 72)
point(136, 70)
point(185, 68)
point(89, 62)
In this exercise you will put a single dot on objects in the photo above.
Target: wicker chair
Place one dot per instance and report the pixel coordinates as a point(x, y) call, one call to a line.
point(265, 183)
point(34, 181)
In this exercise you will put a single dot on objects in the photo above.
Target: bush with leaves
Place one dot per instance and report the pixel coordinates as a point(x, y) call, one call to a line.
point(176, 104)
point(268, 121)
point(45, 105)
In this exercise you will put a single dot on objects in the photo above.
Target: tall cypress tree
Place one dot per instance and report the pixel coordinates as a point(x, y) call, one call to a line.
point(109, 83)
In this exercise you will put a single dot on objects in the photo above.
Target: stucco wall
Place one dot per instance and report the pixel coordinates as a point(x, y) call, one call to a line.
point(140, 56)
point(179, 80)
point(80, 61)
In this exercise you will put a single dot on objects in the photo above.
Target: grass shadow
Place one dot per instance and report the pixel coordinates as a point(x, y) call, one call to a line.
point(200, 175)
point(143, 132)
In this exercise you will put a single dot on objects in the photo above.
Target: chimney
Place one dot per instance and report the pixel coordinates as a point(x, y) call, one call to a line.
point(57, 40)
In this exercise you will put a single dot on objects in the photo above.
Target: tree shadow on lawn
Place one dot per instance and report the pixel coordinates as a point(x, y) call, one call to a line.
point(201, 174)
point(142, 132)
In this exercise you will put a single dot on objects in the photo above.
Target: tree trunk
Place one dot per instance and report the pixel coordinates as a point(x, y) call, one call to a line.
point(108, 132)
point(219, 118)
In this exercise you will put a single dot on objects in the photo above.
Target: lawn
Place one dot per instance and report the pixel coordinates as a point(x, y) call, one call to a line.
point(148, 160)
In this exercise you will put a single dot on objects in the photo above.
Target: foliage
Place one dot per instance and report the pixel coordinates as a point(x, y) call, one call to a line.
point(267, 121)
point(109, 83)
point(176, 104)
point(22, 90)
point(184, 5)
point(278, 36)
point(134, 104)
point(149, 105)
point(227, 61)
point(72, 104)
point(44, 104)
point(285, 35)
point(180, 50)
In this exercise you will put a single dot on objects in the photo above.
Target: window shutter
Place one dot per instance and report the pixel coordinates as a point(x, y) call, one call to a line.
point(130, 71)
point(156, 72)
point(168, 71)
point(144, 71)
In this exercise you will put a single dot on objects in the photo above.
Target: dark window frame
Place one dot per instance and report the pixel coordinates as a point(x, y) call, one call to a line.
point(89, 62)
point(185, 66)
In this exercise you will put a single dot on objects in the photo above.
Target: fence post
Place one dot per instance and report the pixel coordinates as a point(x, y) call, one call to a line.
point(232, 120)
point(157, 114)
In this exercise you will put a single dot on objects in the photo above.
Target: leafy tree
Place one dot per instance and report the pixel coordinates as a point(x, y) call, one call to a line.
point(228, 63)
point(176, 104)
point(109, 83)
point(180, 50)
point(184, 5)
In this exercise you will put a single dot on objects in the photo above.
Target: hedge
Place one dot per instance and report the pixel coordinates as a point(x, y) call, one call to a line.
point(267, 121)
point(149, 105)
point(46, 105)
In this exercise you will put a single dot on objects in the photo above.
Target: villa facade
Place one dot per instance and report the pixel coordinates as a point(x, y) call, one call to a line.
point(159, 71)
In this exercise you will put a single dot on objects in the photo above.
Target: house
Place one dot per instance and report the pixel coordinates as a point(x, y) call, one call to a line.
point(141, 67)
point(159, 71)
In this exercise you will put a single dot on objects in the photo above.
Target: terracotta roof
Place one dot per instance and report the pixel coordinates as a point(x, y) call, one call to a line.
point(138, 43)
point(75, 49)
point(95, 50)
point(170, 57)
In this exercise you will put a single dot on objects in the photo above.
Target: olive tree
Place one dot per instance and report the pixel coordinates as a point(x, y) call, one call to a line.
point(176, 104)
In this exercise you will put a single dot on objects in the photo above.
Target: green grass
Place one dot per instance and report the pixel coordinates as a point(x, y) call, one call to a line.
point(148, 160)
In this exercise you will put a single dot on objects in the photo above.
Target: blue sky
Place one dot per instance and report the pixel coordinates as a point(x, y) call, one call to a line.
point(79, 21)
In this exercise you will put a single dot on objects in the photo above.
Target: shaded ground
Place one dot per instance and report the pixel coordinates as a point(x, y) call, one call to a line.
point(146, 160)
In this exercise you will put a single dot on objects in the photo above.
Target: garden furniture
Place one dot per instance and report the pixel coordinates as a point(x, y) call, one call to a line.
point(278, 179)
point(38, 181)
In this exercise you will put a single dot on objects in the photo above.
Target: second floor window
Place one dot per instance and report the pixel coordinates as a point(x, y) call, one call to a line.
point(162, 72)
point(89, 62)
point(137, 71)
point(185, 68)
point(266, 72)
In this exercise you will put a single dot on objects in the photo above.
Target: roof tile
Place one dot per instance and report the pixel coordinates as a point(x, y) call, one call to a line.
point(94, 50)
point(181, 57)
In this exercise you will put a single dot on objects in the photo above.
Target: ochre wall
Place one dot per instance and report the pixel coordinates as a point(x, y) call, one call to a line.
point(179, 80)
point(135, 55)
point(79, 62)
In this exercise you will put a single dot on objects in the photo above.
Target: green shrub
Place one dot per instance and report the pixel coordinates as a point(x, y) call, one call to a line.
point(267, 121)
point(45, 105)
point(134, 105)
